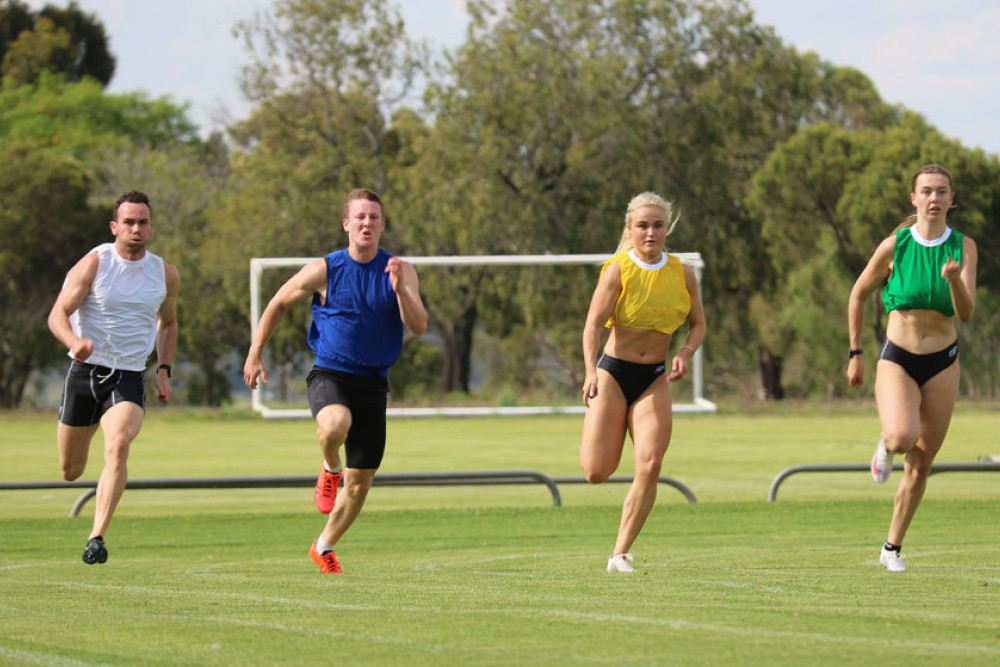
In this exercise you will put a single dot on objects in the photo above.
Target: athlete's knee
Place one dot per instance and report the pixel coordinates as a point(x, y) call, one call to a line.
point(116, 450)
point(332, 426)
point(595, 475)
point(357, 485)
point(649, 468)
point(918, 464)
point(71, 471)
point(899, 441)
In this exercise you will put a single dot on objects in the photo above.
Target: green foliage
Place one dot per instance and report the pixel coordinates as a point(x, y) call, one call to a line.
point(827, 197)
point(48, 113)
point(67, 42)
point(330, 72)
point(44, 221)
point(416, 377)
point(57, 176)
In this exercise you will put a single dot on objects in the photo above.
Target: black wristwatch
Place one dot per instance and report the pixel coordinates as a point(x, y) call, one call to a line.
point(854, 353)
point(162, 367)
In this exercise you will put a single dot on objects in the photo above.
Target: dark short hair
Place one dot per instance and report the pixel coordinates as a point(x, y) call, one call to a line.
point(362, 193)
point(132, 197)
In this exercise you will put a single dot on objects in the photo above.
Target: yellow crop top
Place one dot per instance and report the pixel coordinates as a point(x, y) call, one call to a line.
point(654, 296)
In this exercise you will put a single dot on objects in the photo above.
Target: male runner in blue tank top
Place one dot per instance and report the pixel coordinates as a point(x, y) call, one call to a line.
point(361, 299)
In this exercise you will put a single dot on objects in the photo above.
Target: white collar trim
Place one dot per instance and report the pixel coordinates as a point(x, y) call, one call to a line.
point(634, 256)
point(929, 244)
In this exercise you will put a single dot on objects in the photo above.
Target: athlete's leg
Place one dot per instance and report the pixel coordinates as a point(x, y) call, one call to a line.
point(332, 424)
point(120, 424)
point(350, 500)
point(650, 423)
point(898, 400)
point(604, 426)
point(937, 403)
point(74, 447)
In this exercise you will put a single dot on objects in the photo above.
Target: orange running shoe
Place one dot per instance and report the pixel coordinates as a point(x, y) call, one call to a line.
point(327, 561)
point(326, 490)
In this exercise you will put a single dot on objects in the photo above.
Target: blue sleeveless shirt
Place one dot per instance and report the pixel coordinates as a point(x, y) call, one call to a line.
point(359, 329)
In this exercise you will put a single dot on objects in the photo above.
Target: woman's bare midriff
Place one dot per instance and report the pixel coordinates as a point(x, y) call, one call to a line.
point(641, 346)
point(921, 331)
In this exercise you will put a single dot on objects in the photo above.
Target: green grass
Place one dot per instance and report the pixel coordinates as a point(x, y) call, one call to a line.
point(497, 575)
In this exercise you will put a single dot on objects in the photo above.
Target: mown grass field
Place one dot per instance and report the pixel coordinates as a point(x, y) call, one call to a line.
point(498, 575)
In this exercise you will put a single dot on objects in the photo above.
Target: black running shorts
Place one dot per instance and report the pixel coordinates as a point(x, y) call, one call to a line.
point(366, 398)
point(90, 391)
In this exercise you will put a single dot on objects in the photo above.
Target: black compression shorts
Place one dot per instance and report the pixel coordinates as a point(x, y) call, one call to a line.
point(366, 398)
point(90, 391)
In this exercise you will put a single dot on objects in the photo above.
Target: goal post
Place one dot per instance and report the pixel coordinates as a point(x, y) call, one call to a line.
point(259, 264)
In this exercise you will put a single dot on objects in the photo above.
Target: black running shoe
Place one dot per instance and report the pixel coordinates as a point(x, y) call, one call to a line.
point(95, 551)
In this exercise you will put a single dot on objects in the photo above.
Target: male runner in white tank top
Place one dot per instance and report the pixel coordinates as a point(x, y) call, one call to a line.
point(117, 303)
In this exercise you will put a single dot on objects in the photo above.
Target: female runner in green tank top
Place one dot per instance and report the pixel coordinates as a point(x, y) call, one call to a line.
point(929, 275)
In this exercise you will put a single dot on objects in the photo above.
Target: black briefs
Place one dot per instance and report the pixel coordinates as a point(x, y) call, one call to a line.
point(633, 378)
point(920, 367)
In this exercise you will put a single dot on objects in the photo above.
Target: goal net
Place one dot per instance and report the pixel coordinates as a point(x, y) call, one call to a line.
point(262, 399)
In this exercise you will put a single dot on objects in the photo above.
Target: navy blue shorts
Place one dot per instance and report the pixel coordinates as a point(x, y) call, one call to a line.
point(90, 391)
point(366, 398)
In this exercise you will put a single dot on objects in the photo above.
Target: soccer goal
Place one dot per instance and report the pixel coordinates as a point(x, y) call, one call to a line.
point(259, 402)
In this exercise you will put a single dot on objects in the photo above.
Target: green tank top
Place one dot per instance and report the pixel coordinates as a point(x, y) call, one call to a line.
point(916, 282)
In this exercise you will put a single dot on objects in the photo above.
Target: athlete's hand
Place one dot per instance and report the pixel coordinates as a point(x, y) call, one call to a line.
point(394, 267)
point(254, 368)
point(82, 349)
point(163, 391)
point(589, 389)
point(951, 271)
point(678, 368)
point(855, 371)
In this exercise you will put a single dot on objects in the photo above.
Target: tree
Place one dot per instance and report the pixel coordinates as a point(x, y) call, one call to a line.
point(52, 159)
point(46, 48)
point(92, 57)
point(827, 197)
point(554, 114)
point(48, 113)
point(44, 222)
point(323, 69)
point(59, 41)
point(15, 18)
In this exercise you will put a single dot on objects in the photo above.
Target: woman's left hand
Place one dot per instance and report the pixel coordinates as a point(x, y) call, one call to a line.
point(678, 368)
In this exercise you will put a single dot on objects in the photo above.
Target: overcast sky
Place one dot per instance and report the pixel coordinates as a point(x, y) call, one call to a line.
point(937, 58)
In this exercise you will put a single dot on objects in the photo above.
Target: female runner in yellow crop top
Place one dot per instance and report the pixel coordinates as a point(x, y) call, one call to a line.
point(643, 296)
point(916, 378)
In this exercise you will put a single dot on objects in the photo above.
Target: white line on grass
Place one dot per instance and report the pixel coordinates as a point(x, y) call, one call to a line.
point(602, 618)
point(36, 658)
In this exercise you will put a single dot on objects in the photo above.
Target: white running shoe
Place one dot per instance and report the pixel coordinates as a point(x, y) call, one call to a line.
point(893, 560)
point(881, 463)
point(620, 563)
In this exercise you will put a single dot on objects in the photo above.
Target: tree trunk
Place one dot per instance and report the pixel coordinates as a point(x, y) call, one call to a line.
point(770, 376)
point(457, 336)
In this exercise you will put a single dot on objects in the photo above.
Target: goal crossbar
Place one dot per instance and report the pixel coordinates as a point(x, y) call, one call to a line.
point(259, 264)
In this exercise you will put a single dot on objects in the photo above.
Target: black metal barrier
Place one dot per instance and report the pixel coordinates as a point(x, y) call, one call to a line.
point(855, 467)
point(473, 477)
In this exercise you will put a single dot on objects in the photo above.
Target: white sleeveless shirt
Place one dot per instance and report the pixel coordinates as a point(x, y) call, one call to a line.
point(119, 315)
